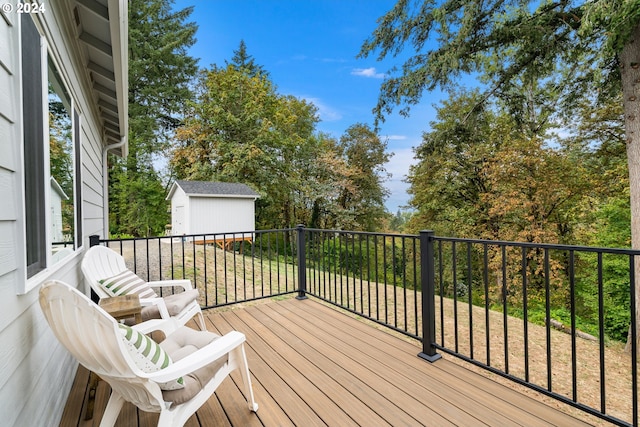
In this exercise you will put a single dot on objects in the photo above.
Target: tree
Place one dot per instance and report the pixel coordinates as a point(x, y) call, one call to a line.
point(160, 72)
point(398, 222)
point(447, 183)
point(597, 39)
point(242, 61)
point(241, 130)
point(365, 154)
point(61, 160)
point(535, 192)
point(318, 177)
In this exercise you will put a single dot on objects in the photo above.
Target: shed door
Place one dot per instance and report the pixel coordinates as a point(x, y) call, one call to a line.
point(178, 226)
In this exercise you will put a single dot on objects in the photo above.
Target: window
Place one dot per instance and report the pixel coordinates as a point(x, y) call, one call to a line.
point(62, 165)
point(51, 156)
point(34, 165)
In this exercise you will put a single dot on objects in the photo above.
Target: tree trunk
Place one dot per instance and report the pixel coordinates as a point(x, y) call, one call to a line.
point(630, 70)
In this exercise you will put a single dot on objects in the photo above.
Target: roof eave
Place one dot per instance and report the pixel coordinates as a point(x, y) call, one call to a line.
point(224, 196)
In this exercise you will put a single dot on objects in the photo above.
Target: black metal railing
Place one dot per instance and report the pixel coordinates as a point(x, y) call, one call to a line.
point(227, 268)
point(551, 317)
point(370, 274)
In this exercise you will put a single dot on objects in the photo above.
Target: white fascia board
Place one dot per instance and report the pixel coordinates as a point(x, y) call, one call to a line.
point(119, 26)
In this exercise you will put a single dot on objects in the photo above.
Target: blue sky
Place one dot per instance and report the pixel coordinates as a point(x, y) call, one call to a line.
point(309, 48)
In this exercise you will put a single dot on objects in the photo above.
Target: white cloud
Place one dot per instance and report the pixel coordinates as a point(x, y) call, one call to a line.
point(398, 167)
point(327, 114)
point(367, 72)
point(332, 60)
point(395, 137)
point(399, 163)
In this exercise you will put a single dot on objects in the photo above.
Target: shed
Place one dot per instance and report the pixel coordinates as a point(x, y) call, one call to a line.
point(206, 207)
point(57, 196)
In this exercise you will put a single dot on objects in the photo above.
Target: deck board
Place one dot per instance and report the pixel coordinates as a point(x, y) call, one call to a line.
point(400, 375)
point(360, 384)
point(328, 394)
point(313, 365)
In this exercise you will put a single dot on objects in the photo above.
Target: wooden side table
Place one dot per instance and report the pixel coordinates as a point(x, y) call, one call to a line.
point(120, 307)
point(123, 307)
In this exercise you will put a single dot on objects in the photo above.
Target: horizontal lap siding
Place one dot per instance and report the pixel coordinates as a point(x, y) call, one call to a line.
point(9, 141)
point(221, 215)
point(20, 331)
point(92, 178)
point(36, 372)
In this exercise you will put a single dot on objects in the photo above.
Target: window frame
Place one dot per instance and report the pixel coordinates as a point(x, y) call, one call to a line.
point(37, 259)
point(34, 130)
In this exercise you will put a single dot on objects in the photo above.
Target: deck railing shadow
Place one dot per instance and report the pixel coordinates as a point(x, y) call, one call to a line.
point(515, 309)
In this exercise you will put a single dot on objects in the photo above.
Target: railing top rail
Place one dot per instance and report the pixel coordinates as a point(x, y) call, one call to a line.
point(618, 251)
point(564, 247)
point(370, 233)
point(226, 233)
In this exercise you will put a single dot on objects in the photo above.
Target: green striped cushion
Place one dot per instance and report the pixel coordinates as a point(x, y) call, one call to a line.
point(127, 282)
point(148, 355)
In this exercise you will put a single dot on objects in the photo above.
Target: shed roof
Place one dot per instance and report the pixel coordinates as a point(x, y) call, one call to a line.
point(55, 186)
point(214, 189)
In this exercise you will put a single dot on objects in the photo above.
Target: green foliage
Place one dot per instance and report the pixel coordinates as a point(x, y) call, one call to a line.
point(616, 19)
point(368, 258)
point(479, 174)
point(365, 155)
point(138, 204)
point(267, 244)
point(245, 63)
point(500, 40)
point(160, 72)
point(551, 65)
point(241, 129)
point(121, 236)
point(400, 220)
point(61, 165)
point(613, 229)
point(444, 183)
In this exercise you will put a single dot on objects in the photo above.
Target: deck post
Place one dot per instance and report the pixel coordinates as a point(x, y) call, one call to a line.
point(302, 263)
point(94, 240)
point(427, 279)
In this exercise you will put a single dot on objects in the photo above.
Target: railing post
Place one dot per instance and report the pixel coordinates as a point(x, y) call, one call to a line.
point(94, 240)
point(427, 279)
point(302, 263)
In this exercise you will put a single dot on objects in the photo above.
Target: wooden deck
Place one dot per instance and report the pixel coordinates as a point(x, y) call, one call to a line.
point(312, 365)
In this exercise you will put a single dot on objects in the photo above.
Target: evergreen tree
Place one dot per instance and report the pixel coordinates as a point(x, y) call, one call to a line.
point(243, 62)
point(505, 41)
point(160, 71)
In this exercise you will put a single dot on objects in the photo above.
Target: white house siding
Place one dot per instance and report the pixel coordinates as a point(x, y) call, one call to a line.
point(36, 372)
point(221, 214)
point(92, 179)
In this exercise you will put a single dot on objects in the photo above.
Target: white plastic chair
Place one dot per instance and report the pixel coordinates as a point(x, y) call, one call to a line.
point(95, 339)
point(101, 262)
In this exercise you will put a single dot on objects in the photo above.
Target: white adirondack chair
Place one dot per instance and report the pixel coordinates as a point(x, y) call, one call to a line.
point(96, 340)
point(101, 262)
